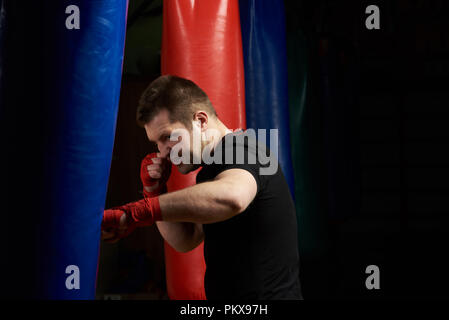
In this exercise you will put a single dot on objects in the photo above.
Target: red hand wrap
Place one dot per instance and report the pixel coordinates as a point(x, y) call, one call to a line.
point(143, 212)
point(146, 211)
point(157, 186)
point(111, 218)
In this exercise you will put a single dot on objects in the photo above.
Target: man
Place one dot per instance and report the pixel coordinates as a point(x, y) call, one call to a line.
point(246, 219)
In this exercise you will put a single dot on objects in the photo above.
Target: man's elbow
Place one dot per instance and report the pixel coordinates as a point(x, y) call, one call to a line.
point(235, 202)
point(238, 205)
point(237, 194)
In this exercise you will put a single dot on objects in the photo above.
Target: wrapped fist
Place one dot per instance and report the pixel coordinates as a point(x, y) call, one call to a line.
point(154, 174)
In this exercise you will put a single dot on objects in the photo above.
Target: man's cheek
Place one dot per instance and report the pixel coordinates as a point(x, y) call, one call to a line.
point(180, 154)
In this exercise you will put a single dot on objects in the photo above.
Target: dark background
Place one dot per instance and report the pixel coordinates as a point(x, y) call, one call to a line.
point(402, 224)
point(399, 218)
point(403, 220)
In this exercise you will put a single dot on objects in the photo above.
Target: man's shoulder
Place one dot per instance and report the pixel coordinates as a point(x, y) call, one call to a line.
point(240, 149)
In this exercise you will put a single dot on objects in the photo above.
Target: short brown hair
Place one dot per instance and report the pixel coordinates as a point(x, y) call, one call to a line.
point(180, 97)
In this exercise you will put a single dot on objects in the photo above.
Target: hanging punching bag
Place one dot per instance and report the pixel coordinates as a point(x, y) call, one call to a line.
point(201, 41)
point(264, 48)
point(63, 75)
point(306, 139)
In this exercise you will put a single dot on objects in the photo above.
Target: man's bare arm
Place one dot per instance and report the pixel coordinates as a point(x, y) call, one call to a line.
point(228, 195)
point(185, 211)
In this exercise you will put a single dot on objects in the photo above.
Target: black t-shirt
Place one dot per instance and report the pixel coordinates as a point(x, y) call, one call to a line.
point(253, 255)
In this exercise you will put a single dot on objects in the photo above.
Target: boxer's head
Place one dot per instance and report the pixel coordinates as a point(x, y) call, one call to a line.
point(178, 108)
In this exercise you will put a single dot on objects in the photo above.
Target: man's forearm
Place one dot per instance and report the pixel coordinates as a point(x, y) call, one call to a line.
point(203, 203)
point(184, 212)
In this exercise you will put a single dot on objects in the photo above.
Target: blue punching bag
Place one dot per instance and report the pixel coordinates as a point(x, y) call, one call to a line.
point(63, 79)
point(265, 60)
point(87, 73)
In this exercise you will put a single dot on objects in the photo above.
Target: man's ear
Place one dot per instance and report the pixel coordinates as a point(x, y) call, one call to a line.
point(202, 118)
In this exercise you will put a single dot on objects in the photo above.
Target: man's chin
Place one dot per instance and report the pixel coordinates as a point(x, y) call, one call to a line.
point(184, 168)
point(187, 168)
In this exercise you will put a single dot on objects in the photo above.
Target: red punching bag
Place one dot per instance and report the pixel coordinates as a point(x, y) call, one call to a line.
point(201, 41)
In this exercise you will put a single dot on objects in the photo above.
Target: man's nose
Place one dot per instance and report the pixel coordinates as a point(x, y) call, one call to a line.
point(164, 151)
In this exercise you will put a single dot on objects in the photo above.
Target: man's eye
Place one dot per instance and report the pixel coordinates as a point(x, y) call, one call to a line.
point(165, 137)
